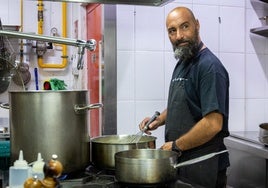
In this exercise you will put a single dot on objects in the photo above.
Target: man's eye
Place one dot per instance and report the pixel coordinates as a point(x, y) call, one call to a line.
point(184, 27)
point(172, 31)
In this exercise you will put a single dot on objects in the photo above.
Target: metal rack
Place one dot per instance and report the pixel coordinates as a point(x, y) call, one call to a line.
point(261, 8)
point(81, 44)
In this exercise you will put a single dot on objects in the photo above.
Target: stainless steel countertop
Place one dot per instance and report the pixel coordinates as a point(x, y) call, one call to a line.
point(247, 141)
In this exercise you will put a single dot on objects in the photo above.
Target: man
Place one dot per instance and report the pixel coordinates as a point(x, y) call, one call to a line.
point(196, 118)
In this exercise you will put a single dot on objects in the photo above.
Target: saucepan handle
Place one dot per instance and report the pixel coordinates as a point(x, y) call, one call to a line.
point(198, 159)
point(83, 108)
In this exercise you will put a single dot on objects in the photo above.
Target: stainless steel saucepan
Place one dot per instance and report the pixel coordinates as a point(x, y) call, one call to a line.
point(263, 133)
point(103, 148)
point(151, 166)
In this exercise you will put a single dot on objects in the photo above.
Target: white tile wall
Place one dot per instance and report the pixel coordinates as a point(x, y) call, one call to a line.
point(256, 76)
point(125, 27)
point(236, 3)
point(235, 65)
point(149, 28)
point(232, 29)
point(169, 64)
point(244, 55)
point(237, 114)
point(149, 76)
point(206, 2)
point(127, 117)
point(125, 76)
point(10, 11)
point(13, 12)
point(208, 21)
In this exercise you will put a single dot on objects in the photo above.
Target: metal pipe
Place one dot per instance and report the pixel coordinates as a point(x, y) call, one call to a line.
point(90, 44)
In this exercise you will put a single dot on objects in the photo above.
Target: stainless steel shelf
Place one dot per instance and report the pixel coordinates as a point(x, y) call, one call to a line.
point(263, 31)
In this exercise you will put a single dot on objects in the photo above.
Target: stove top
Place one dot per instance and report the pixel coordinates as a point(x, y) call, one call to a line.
point(106, 179)
point(110, 182)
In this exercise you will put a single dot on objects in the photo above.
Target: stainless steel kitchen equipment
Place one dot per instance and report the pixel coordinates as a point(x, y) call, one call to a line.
point(103, 148)
point(127, 2)
point(249, 160)
point(51, 122)
point(151, 166)
point(263, 133)
point(81, 44)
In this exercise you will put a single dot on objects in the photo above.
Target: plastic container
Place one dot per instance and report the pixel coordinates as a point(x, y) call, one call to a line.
point(38, 167)
point(19, 172)
point(4, 155)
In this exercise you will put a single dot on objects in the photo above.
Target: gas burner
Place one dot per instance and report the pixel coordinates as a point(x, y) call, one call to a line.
point(160, 185)
point(96, 178)
point(103, 181)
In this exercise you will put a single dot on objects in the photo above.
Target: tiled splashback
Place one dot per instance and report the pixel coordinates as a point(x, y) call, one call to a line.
point(145, 60)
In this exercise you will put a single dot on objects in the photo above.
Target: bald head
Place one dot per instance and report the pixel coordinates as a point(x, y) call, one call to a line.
point(183, 32)
point(180, 12)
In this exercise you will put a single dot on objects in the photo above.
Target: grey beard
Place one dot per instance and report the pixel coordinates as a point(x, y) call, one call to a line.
point(183, 53)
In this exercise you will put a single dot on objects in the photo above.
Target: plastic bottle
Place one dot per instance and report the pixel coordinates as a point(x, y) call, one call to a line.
point(38, 166)
point(19, 172)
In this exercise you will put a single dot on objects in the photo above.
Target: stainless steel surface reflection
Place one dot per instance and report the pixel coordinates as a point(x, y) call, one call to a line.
point(251, 136)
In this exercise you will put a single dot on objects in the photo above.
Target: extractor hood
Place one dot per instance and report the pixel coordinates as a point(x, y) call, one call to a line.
point(126, 2)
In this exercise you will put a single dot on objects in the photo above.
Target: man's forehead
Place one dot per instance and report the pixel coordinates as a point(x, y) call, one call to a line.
point(178, 17)
point(176, 22)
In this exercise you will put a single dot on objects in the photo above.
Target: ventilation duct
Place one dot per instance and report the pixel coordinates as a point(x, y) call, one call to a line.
point(126, 2)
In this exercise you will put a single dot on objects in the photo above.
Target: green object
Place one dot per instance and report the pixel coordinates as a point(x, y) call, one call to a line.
point(4, 155)
point(57, 84)
point(4, 148)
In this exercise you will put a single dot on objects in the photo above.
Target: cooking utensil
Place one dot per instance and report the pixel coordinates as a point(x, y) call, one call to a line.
point(138, 136)
point(103, 148)
point(22, 75)
point(150, 166)
point(263, 133)
point(46, 122)
point(36, 78)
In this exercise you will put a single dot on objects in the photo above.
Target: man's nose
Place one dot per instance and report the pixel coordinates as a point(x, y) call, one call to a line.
point(179, 35)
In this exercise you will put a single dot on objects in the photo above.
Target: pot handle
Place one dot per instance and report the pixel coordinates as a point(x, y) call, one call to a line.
point(198, 159)
point(83, 108)
point(4, 105)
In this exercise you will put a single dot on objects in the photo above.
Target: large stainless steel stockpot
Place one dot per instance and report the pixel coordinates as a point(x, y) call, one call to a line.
point(51, 122)
point(103, 148)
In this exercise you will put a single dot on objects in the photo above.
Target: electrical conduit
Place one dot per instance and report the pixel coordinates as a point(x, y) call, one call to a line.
point(64, 56)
